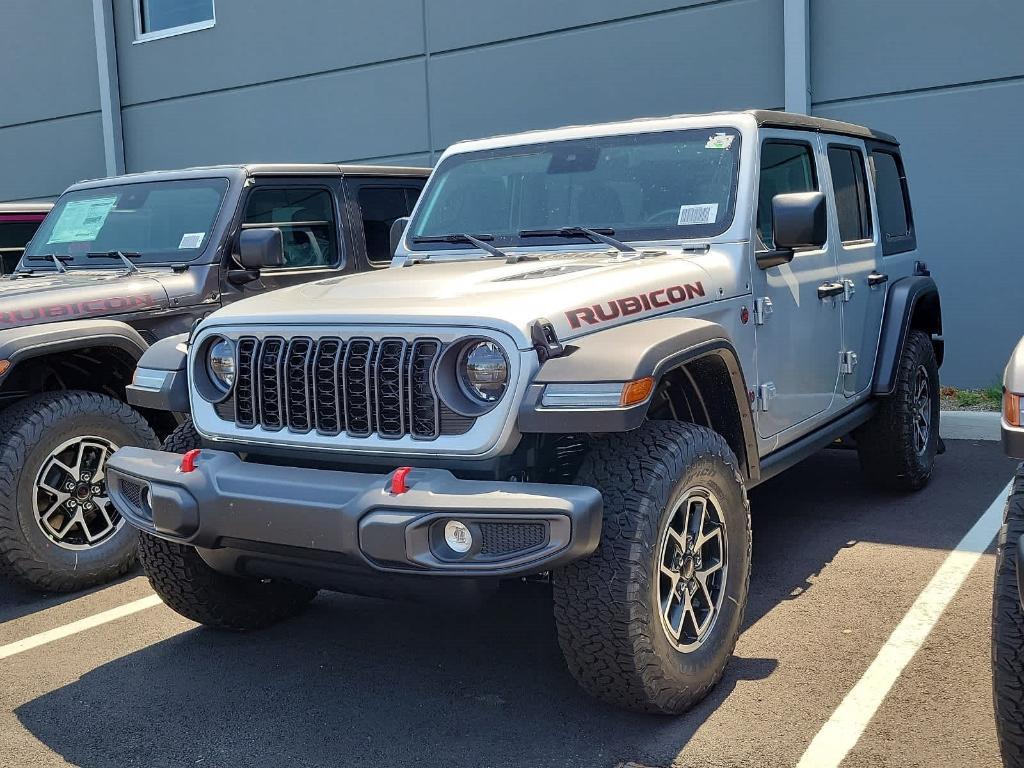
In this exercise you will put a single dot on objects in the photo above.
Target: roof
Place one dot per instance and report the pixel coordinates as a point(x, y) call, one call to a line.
point(769, 118)
point(759, 117)
point(28, 207)
point(257, 169)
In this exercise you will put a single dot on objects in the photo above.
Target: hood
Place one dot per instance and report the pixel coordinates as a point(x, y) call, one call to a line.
point(50, 298)
point(577, 292)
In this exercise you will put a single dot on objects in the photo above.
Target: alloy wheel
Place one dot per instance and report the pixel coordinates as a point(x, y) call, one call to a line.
point(922, 410)
point(70, 501)
point(692, 567)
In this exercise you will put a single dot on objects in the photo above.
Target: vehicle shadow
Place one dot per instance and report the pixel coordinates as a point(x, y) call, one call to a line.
point(360, 682)
point(17, 601)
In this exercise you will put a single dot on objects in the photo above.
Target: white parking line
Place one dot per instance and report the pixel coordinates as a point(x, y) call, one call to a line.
point(843, 730)
point(75, 627)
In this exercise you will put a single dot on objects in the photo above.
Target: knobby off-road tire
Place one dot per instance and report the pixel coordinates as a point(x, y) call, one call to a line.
point(30, 432)
point(890, 446)
point(192, 588)
point(607, 606)
point(1008, 633)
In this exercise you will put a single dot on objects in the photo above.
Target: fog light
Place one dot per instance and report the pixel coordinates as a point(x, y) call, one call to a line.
point(457, 536)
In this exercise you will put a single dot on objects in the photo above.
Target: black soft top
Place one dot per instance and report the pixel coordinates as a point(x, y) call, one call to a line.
point(768, 118)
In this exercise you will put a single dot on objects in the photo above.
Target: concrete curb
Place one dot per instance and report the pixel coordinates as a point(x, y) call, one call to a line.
point(969, 425)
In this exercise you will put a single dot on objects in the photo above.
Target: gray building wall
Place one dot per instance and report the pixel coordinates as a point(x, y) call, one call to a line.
point(399, 80)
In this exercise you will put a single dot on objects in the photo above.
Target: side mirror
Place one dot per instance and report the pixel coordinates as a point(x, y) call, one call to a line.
point(259, 248)
point(397, 230)
point(798, 221)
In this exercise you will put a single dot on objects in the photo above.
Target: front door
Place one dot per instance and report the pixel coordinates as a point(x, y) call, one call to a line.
point(799, 335)
point(859, 252)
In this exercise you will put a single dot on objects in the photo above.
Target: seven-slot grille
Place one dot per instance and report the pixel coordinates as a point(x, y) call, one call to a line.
point(355, 386)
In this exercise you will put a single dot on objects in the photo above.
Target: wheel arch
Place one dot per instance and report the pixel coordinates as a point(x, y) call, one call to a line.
point(913, 303)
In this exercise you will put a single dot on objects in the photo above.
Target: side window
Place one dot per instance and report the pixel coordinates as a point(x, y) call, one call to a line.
point(785, 167)
point(846, 166)
point(379, 207)
point(306, 219)
point(13, 237)
point(894, 219)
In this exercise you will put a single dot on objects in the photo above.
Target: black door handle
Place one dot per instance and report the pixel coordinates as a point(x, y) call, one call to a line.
point(876, 278)
point(827, 290)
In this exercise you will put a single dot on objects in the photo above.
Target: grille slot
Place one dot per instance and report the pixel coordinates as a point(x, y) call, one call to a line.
point(136, 494)
point(510, 538)
point(357, 387)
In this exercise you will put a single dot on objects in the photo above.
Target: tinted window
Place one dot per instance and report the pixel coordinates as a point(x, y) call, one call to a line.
point(160, 221)
point(674, 184)
point(890, 186)
point(846, 166)
point(305, 218)
point(13, 236)
point(785, 167)
point(380, 206)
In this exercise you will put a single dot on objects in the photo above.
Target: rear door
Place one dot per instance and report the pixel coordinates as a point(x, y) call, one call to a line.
point(852, 216)
point(374, 202)
point(799, 340)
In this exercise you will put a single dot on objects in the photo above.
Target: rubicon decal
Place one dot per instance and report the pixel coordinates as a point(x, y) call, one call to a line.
point(70, 310)
point(632, 305)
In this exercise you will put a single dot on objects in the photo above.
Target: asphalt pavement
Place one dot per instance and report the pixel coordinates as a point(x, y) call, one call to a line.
point(360, 682)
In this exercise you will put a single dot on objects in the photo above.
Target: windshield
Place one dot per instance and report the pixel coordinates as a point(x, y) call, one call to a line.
point(153, 222)
point(654, 186)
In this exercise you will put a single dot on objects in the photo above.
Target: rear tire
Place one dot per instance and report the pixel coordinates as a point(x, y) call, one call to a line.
point(192, 588)
point(1008, 634)
point(46, 544)
point(617, 610)
point(897, 446)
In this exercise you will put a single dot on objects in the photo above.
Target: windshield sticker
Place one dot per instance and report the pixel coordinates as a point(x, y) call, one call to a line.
point(707, 213)
point(81, 220)
point(191, 240)
point(720, 141)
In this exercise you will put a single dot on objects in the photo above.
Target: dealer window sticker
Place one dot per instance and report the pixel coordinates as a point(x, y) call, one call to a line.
point(191, 240)
point(720, 141)
point(706, 213)
point(81, 220)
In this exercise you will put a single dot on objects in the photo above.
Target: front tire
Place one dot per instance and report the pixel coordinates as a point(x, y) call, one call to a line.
point(650, 619)
point(897, 446)
point(58, 530)
point(1008, 634)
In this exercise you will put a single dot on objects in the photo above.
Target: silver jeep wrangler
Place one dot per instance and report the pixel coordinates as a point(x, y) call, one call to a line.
point(590, 344)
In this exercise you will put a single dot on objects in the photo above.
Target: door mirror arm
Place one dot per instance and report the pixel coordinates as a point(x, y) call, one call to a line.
point(242, 276)
point(773, 258)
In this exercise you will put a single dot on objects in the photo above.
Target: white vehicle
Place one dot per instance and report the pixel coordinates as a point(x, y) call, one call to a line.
point(591, 342)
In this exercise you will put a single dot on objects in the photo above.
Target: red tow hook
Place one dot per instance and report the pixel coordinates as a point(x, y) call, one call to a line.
point(398, 484)
point(188, 461)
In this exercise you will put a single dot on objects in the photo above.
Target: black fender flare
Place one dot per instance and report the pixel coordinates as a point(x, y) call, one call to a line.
point(161, 380)
point(20, 344)
point(912, 302)
point(627, 353)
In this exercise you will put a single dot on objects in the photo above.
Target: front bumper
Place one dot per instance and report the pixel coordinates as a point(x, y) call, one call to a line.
point(279, 515)
point(1013, 439)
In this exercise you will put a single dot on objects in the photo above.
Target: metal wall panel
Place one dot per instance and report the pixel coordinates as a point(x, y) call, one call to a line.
point(361, 113)
point(255, 41)
point(720, 56)
point(42, 159)
point(964, 161)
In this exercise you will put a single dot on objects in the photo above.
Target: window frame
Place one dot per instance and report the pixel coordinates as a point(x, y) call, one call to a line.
point(813, 152)
point(871, 224)
point(341, 256)
point(353, 185)
point(900, 243)
point(181, 29)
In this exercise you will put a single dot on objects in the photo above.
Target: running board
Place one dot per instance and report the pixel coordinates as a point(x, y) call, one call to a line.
point(797, 451)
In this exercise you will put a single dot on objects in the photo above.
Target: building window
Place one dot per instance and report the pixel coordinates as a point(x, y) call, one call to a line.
point(162, 18)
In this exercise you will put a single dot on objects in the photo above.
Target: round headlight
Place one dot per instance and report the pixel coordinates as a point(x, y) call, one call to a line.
point(483, 371)
point(220, 363)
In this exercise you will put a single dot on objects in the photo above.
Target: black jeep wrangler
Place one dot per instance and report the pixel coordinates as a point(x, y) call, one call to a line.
point(118, 264)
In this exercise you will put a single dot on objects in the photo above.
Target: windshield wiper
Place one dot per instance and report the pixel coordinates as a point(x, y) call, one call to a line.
point(594, 235)
point(459, 237)
point(58, 261)
point(125, 257)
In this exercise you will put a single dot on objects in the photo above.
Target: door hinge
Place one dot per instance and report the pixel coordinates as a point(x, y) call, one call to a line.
point(848, 289)
point(765, 394)
point(762, 308)
point(847, 362)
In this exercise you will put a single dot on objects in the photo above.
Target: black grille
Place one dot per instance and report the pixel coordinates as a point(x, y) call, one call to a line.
point(354, 386)
point(135, 494)
point(509, 538)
